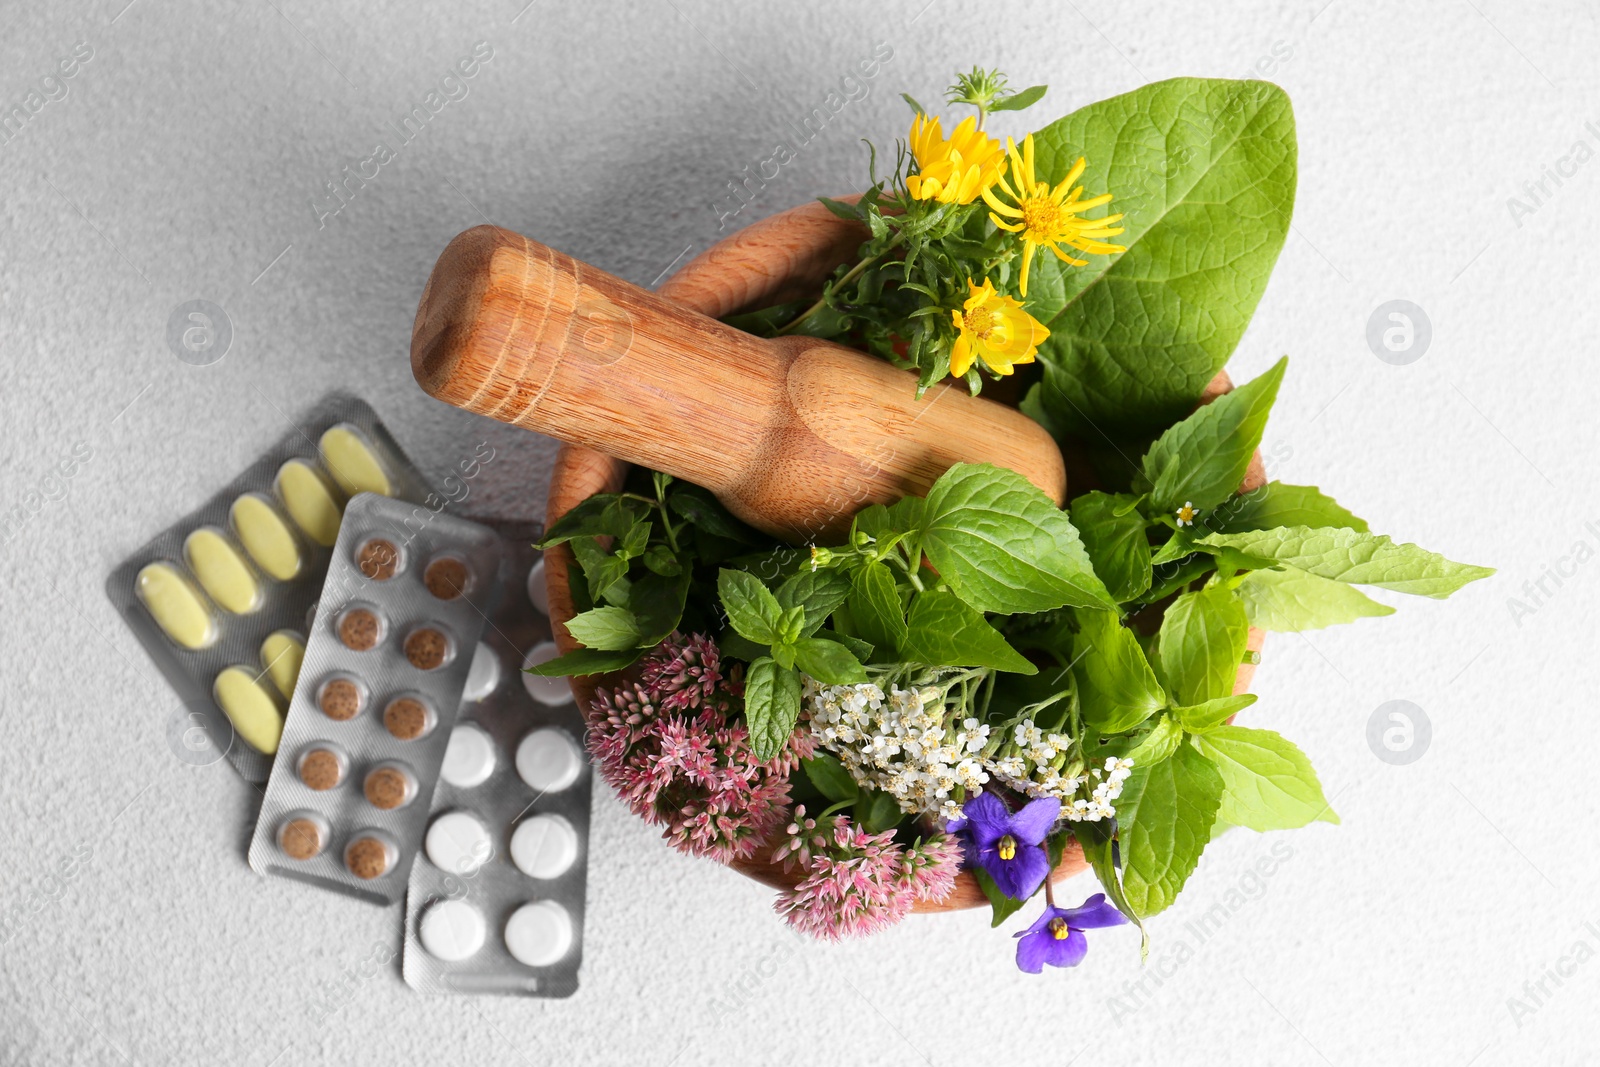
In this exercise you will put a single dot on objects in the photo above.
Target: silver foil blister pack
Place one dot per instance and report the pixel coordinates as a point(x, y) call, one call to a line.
point(407, 596)
point(496, 902)
point(220, 599)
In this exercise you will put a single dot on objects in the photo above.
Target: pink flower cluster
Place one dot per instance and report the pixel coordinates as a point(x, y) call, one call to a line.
point(857, 883)
point(667, 746)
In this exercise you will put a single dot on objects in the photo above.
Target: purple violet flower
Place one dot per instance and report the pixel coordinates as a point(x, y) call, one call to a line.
point(1057, 937)
point(1009, 846)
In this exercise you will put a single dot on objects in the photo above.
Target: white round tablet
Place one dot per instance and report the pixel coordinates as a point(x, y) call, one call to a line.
point(469, 758)
point(457, 843)
point(544, 846)
point(551, 691)
point(484, 674)
point(451, 930)
point(536, 590)
point(548, 760)
point(539, 934)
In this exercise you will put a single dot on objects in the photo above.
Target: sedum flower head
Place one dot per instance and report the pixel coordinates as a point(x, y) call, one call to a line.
point(1046, 216)
point(954, 171)
point(995, 329)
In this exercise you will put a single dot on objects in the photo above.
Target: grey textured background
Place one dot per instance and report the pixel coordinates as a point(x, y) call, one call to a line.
point(184, 162)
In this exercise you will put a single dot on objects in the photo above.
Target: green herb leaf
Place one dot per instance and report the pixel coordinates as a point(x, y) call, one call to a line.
point(587, 661)
point(771, 706)
point(1204, 174)
point(828, 662)
point(1114, 536)
point(1277, 504)
point(943, 631)
point(916, 107)
point(1162, 741)
point(875, 607)
point(601, 515)
point(1356, 558)
point(1097, 849)
point(661, 560)
point(1019, 100)
point(699, 507)
point(752, 609)
point(817, 593)
point(657, 601)
point(605, 575)
point(877, 811)
point(1202, 459)
point(830, 777)
point(1290, 601)
point(606, 629)
point(1116, 687)
point(1201, 718)
point(1003, 906)
point(1003, 546)
point(1200, 645)
point(1269, 783)
point(1164, 818)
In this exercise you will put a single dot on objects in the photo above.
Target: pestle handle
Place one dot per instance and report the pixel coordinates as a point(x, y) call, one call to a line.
point(794, 435)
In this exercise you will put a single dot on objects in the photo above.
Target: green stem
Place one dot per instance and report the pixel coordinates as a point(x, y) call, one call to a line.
point(840, 806)
point(850, 276)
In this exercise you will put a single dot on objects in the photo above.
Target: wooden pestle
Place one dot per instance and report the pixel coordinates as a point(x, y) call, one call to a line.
point(794, 435)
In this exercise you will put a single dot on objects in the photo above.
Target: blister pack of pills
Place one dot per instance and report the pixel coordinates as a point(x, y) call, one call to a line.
point(220, 599)
point(497, 899)
point(408, 593)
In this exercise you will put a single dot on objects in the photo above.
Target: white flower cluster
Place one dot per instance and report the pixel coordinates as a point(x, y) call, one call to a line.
point(1033, 771)
point(899, 743)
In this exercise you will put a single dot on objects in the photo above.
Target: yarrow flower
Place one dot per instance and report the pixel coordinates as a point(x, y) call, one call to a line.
point(667, 744)
point(1010, 845)
point(1049, 217)
point(954, 171)
point(995, 329)
point(1187, 513)
point(1057, 938)
point(857, 883)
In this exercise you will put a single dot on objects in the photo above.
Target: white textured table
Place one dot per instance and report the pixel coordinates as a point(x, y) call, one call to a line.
point(190, 157)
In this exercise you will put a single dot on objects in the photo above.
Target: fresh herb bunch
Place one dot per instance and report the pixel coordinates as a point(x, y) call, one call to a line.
point(977, 661)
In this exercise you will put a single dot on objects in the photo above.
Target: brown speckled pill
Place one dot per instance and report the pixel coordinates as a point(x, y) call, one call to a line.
point(426, 649)
point(340, 699)
point(367, 858)
point(378, 560)
point(446, 578)
point(321, 769)
point(358, 629)
point(300, 839)
point(406, 718)
point(387, 788)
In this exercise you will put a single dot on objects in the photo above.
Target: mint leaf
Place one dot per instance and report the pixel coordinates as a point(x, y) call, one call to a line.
point(607, 629)
point(1290, 601)
point(657, 604)
point(1200, 645)
point(601, 515)
point(829, 776)
point(1116, 687)
point(828, 662)
point(1277, 504)
point(1269, 783)
point(1116, 543)
point(1164, 822)
point(771, 706)
point(1202, 459)
point(1002, 545)
point(586, 661)
point(875, 608)
point(1357, 558)
point(817, 593)
point(752, 609)
point(945, 632)
point(1204, 173)
point(1200, 718)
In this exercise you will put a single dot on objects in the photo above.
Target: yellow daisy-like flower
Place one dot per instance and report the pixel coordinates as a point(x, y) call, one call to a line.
point(956, 171)
point(995, 329)
point(1050, 217)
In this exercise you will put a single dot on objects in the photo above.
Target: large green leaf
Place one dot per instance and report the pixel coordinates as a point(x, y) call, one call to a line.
point(1113, 534)
point(876, 609)
point(1277, 504)
point(1355, 558)
point(1002, 545)
point(1204, 173)
point(1116, 687)
point(946, 632)
point(1202, 459)
point(771, 706)
point(1164, 818)
point(1200, 645)
point(1268, 783)
point(1289, 601)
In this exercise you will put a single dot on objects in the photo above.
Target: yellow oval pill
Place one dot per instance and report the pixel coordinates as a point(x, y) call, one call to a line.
point(281, 655)
point(352, 461)
point(175, 604)
point(265, 536)
point(222, 572)
point(310, 501)
point(251, 709)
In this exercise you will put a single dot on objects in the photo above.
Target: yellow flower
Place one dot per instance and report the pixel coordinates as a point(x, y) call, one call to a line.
point(995, 329)
point(1050, 217)
point(956, 171)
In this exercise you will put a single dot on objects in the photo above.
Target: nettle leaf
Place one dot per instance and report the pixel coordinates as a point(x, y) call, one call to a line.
point(1202, 459)
point(752, 609)
point(1200, 645)
point(1201, 718)
point(1268, 782)
point(817, 593)
point(771, 706)
point(1356, 558)
point(1164, 822)
point(607, 629)
point(875, 608)
point(1113, 534)
point(828, 662)
point(587, 661)
point(1290, 601)
point(1277, 504)
point(1162, 741)
point(1002, 545)
point(1116, 687)
point(1204, 173)
point(945, 632)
